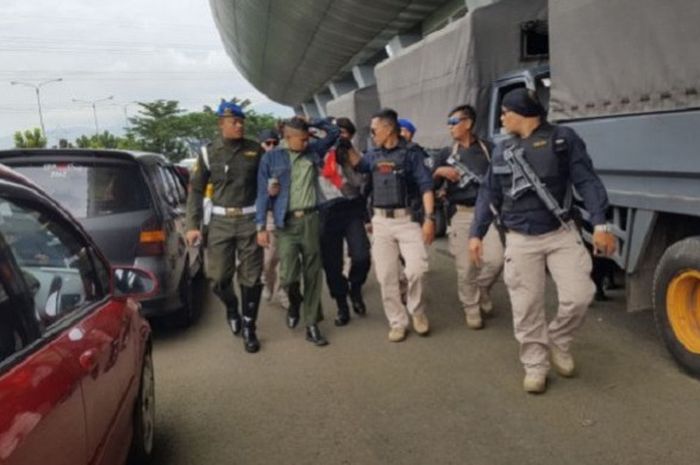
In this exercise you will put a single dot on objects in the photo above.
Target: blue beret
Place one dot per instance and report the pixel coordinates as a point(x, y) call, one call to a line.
point(229, 109)
point(406, 124)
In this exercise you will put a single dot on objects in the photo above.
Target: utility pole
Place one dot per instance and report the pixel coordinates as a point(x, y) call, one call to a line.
point(37, 89)
point(93, 104)
point(125, 106)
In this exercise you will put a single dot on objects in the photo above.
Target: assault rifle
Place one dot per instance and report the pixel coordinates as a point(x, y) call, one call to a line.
point(466, 176)
point(525, 179)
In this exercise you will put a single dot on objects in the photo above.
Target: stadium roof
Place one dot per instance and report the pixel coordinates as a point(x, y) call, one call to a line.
point(291, 49)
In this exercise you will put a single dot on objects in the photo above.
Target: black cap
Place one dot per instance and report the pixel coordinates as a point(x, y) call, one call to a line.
point(268, 134)
point(523, 102)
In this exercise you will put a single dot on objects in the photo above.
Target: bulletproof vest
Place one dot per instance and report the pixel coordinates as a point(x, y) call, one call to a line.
point(548, 155)
point(389, 183)
point(475, 159)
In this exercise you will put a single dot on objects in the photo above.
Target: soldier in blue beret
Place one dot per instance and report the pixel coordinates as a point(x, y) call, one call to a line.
point(230, 165)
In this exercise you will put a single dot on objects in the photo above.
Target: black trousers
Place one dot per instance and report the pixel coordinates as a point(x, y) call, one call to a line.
point(345, 221)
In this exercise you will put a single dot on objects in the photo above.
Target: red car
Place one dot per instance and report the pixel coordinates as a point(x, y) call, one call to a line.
point(76, 372)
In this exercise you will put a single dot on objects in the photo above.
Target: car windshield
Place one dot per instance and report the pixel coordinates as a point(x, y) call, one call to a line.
point(89, 190)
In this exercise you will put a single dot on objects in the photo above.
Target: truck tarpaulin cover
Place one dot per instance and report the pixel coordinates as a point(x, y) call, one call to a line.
point(455, 65)
point(623, 56)
point(358, 105)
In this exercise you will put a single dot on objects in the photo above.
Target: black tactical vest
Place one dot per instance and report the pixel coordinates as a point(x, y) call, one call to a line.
point(474, 158)
point(548, 155)
point(389, 182)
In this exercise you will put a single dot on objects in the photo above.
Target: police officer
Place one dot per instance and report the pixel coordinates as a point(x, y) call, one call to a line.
point(401, 183)
point(343, 219)
point(294, 168)
point(408, 129)
point(540, 233)
point(472, 156)
point(230, 164)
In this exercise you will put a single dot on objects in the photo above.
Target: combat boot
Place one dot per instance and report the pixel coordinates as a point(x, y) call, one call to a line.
point(358, 303)
point(251, 302)
point(562, 362)
point(343, 316)
point(233, 317)
point(535, 383)
point(295, 299)
point(314, 336)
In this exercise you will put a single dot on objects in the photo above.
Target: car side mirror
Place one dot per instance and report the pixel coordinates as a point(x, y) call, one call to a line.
point(133, 282)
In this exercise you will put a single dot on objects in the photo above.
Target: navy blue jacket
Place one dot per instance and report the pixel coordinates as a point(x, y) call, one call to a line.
point(417, 173)
point(542, 221)
point(276, 164)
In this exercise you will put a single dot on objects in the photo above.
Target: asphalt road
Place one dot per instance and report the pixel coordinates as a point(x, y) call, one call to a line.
point(454, 397)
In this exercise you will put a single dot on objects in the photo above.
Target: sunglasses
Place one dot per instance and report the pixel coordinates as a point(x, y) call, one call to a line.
point(271, 142)
point(454, 121)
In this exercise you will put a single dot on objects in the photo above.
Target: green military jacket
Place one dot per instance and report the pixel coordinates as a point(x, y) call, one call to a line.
point(233, 171)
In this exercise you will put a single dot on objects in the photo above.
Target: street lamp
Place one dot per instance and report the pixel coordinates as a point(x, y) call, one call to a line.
point(93, 104)
point(125, 106)
point(37, 88)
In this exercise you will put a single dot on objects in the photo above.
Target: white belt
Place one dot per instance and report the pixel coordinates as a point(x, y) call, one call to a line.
point(233, 211)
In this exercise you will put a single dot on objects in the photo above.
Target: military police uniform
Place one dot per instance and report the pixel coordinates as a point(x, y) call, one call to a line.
point(538, 240)
point(473, 283)
point(231, 167)
point(399, 179)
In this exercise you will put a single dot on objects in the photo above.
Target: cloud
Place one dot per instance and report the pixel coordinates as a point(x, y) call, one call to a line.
point(131, 49)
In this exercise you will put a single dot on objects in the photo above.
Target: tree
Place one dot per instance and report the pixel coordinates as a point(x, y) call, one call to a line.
point(158, 129)
point(163, 127)
point(29, 139)
point(106, 140)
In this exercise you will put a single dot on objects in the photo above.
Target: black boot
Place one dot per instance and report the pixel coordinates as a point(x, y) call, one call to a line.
point(233, 317)
point(295, 299)
point(358, 304)
point(313, 335)
point(343, 316)
point(251, 302)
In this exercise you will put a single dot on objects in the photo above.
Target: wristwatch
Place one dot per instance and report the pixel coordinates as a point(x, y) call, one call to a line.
point(260, 227)
point(607, 227)
point(430, 216)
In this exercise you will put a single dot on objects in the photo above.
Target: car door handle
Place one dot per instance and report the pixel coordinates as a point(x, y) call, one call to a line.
point(88, 360)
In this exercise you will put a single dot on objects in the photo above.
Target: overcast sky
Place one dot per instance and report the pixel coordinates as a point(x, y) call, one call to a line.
point(132, 49)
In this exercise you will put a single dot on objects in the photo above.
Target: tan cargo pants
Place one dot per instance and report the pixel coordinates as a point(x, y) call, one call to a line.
point(392, 236)
point(473, 283)
point(526, 258)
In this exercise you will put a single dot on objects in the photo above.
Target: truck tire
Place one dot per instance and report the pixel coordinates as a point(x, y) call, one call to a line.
point(677, 302)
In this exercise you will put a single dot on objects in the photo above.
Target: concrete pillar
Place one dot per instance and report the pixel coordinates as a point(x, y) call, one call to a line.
point(339, 88)
point(399, 42)
point(298, 110)
point(322, 99)
point(364, 75)
point(472, 4)
point(310, 109)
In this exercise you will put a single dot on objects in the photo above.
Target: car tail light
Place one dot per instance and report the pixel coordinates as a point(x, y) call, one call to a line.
point(151, 239)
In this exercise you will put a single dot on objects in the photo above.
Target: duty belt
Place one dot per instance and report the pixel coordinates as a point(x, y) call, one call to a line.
point(392, 212)
point(300, 213)
point(233, 211)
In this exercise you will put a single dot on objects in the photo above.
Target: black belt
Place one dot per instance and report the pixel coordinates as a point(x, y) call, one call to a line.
point(296, 214)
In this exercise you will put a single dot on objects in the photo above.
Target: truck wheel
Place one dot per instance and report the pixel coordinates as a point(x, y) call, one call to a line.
point(677, 302)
